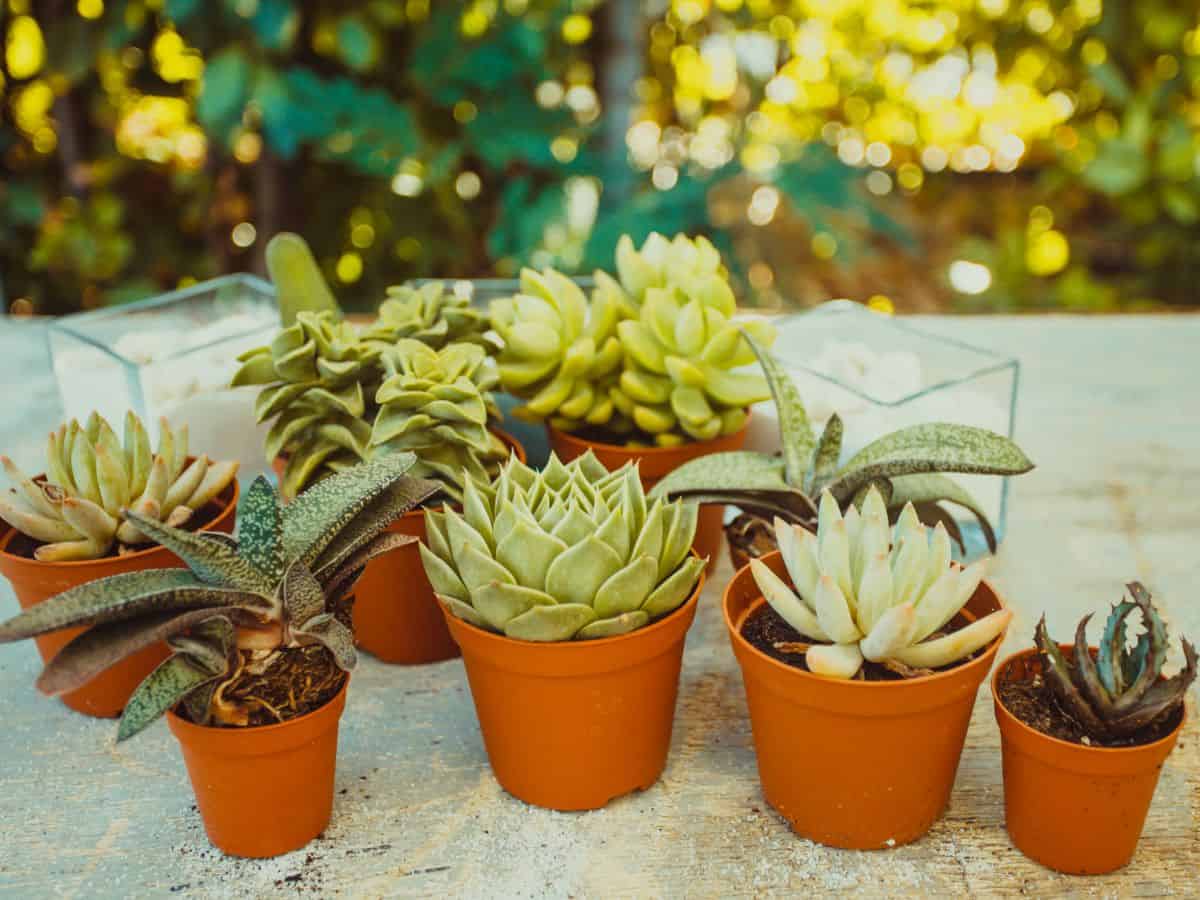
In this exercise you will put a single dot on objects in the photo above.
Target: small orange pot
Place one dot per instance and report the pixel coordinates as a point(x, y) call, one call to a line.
point(396, 616)
point(1070, 807)
point(572, 725)
point(854, 764)
point(267, 790)
point(34, 581)
point(654, 463)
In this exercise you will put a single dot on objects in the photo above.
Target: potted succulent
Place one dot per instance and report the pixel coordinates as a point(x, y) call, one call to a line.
point(570, 597)
point(906, 466)
point(260, 646)
point(869, 660)
point(67, 526)
point(419, 378)
point(645, 371)
point(1084, 733)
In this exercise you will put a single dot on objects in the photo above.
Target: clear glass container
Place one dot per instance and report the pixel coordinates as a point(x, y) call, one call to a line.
point(880, 373)
point(172, 355)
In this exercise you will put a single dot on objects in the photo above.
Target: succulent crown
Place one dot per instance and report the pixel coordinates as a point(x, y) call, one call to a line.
point(77, 511)
point(1121, 690)
point(572, 552)
point(273, 587)
point(430, 314)
point(862, 593)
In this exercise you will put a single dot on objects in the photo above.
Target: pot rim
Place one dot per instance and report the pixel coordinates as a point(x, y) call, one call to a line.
point(585, 444)
point(1030, 732)
point(182, 726)
point(985, 658)
point(227, 500)
point(596, 645)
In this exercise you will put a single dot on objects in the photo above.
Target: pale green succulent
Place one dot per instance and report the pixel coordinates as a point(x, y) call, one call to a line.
point(429, 314)
point(561, 354)
point(691, 264)
point(239, 603)
point(299, 284)
point(79, 511)
point(571, 552)
point(437, 403)
point(906, 466)
point(860, 592)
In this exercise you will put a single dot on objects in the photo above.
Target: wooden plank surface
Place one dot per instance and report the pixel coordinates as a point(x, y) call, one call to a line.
point(1108, 411)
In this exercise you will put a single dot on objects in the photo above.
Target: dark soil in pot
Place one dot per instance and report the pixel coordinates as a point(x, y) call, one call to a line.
point(767, 631)
point(1033, 702)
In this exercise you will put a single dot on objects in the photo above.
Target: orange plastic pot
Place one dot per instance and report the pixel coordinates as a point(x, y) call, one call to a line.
point(574, 724)
point(34, 581)
point(396, 616)
point(268, 790)
point(1070, 807)
point(654, 463)
point(854, 764)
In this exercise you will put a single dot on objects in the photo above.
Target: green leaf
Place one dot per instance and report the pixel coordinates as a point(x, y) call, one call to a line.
point(371, 521)
point(260, 529)
point(935, 488)
point(226, 84)
point(162, 690)
point(214, 563)
point(121, 597)
point(302, 595)
point(737, 470)
point(828, 453)
point(298, 281)
point(795, 433)
point(275, 23)
point(1118, 168)
point(334, 637)
point(339, 581)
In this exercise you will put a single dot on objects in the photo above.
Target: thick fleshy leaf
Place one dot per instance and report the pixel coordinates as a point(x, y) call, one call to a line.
point(785, 602)
point(1113, 647)
point(527, 552)
point(826, 456)
point(627, 589)
point(335, 637)
point(834, 660)
point(211, 562)
point(833, 612)
point(875, 592)
point(676, 589)
point(949, 594)
point(795, 432)
point(613, 627)
point(1057, 672)
point(718, 472)
point(500, 603)
point(798, 546)
point(466, 612)
point(442, 576)
point(560, 622)
point(932, 488)
point(373, 519)
point(576, 575)
point(943, 651)
point(297, 278)
point(163, 689)
point(301, 595)
point(891, 633)
point(477, 569)
point(260, 529)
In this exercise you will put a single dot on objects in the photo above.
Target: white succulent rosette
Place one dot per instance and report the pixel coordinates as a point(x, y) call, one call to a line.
point(863, 592)
point(571, 552)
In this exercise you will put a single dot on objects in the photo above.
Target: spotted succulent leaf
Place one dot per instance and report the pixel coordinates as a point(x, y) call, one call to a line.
point(213, 563)
point(260, 529)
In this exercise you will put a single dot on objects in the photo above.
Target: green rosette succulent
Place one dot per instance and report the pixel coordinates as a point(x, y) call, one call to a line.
point(430, 314)
point(561, 353)
point(569, 553)
point(240, 606)
point(692, 264)
point(79, 510)
point(437, 403)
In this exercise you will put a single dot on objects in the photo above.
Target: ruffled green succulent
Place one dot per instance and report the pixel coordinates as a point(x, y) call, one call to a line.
point(572, 552)
point(691, 264)
point(239, 604)
point(862, 593)
point(437, 403)
point(1121, 691)
point(430, 314)
point(561, 353)
point(79, 511)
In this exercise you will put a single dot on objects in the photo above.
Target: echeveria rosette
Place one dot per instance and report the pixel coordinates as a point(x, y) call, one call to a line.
point(77, 512)
point(430, 314)
point(239, 602)
point(569, 553)
point(1121, 691)
point(860, 592)
point(438, 404)
point(561, 355)
point(907, 466)
point(692, 264)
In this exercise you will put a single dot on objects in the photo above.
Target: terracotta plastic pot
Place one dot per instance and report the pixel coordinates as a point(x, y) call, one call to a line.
point(396, 616)
point(654, 463)
point(572, 725)
point(855, 764)
point(1070, 807)
point(268, 790)
point(34, 581)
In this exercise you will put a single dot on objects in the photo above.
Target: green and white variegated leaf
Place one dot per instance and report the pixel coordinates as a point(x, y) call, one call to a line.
point(179, 675)
point(301, 595)
point(825, 459)
point(212, 562)
point(126, 596)
point(338, 582)
point(934, 488)
point(371, 521)
point(260, 529)
point(795, 432)
point(738, 470)
point(315, 519)
point(334, 637)
point(932, 447)
point(98, 648)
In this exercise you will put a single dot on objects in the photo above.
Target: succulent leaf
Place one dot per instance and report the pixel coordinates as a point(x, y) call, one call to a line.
point(211, 562)
point(298, 281)
point(260, 529)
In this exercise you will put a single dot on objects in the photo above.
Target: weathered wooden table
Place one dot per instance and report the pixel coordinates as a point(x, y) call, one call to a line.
point(1108, 410)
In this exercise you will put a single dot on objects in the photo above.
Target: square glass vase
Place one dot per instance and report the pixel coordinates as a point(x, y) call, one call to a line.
point(172, 355)
point(880, 374)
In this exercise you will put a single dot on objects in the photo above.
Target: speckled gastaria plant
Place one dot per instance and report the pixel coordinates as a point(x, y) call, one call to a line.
point(1120, 691)
point(650, 357)
point(571, 552)
point(240, 604)
point(860, 592)
point(78, 511)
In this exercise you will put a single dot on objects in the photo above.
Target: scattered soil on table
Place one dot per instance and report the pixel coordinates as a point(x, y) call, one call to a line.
point(24, 546)
point(767, 631)
point(1032, 701)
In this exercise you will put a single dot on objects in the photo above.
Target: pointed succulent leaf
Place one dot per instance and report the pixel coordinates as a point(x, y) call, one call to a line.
point(338, 582)
point(559, 622)
point(260, 529)
point(676, 589)
point(614, 626)
point(335, 637)
point(1113, 647)
point(1057, 672)
point(1163, 697)
point(834, 660)
point(1150, 670)
point(626, 589)
point(298, 281)
point(373, 519)
point(833, 612)
point(212, 563)
point(957, 645)
point(891, 633)
point(795, 432)
point(717, 472)
point(933, 489)
point(576, 575)
point(528, 552)
point(785, 602)
point(301, 595)
point(499, 603)
point(163, 689)
point(798, 546)
point(826, 456)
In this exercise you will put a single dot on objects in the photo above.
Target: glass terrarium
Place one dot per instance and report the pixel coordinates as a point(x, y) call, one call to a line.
point(880, 373)
point(172, 355)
